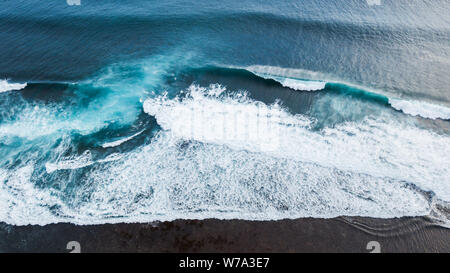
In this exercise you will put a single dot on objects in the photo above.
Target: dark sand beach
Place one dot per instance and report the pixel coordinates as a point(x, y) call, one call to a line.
point(343, 234)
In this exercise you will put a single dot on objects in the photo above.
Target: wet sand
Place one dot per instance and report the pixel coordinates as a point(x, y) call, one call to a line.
point(343, 234)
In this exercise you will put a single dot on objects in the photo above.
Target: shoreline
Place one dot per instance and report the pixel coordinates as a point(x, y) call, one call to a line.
point(341, 234)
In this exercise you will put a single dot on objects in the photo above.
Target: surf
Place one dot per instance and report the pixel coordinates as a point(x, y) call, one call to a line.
point(304, 80)
point(215, 152)
point(6, 86)
point(202, 164)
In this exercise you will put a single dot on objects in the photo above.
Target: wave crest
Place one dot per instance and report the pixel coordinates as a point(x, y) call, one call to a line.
point(295, 79)
point(205, 164)
point(7, 86)
point(419, 108)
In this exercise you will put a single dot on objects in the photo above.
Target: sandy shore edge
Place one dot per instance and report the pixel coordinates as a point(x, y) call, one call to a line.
point(342, 234)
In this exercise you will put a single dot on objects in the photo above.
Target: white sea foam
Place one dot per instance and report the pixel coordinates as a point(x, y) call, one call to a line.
point(420, 108)
point(78, 162)
point(7, 86)
point(288, 77)
point(401, 153)
point(234, 121)
point(206, 164)
point(303, 85)
point(22, 203)
point(120, 141)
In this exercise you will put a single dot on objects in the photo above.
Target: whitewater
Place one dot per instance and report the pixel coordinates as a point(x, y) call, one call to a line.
point(5, 86)
point(221, 154)
point(315, 81)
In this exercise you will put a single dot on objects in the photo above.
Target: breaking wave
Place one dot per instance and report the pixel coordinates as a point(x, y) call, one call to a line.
point(7, 86)
point(304, 80)
point(223, 155)
point(217, 153)
point(419, 108)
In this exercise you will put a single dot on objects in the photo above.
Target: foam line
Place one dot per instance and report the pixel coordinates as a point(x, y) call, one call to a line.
point(120, 141)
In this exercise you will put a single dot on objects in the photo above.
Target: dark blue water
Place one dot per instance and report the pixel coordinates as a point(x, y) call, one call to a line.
point(115, 111)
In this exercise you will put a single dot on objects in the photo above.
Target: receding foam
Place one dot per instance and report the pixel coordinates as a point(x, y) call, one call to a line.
point(120, 141)
point(375, 167)
point(392, 149)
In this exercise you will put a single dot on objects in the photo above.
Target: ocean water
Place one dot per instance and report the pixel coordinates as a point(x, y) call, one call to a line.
point(139, 111)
